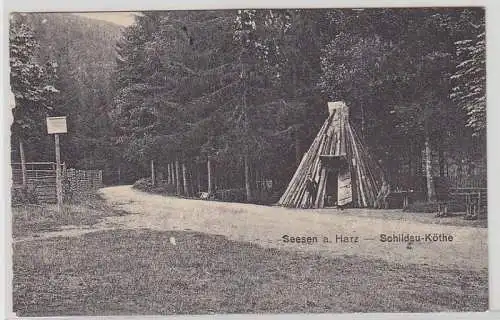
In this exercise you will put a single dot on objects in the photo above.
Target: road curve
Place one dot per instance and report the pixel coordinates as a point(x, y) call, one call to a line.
point(266, 226)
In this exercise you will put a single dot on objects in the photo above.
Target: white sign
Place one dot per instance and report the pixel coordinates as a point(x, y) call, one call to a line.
point(12, 100)
point(335, 105)
point(56, 125)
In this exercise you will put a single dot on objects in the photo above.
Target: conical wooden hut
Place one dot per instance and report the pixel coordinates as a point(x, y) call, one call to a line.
point(337, 161)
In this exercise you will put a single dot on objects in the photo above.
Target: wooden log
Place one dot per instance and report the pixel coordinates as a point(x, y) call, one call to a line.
point(368, 165)
point(294, 185)
point(360, 175)
point(362, 180)
point(371, 165)
point(320, 197)
point(343, 134)
point(314, 170)
point(295, 181)
point(352, 168)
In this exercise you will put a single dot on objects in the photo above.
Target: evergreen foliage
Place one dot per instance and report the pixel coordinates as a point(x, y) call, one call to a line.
point(248, 88)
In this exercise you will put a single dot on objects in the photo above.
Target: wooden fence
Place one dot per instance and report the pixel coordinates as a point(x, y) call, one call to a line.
point(472, 181)
point(41, 180)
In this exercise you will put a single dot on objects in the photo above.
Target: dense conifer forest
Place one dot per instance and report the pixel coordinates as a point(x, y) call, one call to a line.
point(245, 91)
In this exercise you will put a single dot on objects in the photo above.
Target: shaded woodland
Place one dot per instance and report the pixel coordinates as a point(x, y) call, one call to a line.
point(80, 55)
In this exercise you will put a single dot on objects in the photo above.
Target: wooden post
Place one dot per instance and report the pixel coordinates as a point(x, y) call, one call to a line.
point(209, 167)
point(58, 174)
point(153, 177)
point(23, 163)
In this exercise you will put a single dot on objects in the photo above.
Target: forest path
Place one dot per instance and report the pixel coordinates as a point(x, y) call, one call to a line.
point(266, 226)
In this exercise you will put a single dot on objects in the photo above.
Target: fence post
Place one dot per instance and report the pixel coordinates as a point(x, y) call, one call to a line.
point(23, 163)
point(58, 174)
point(479, 204)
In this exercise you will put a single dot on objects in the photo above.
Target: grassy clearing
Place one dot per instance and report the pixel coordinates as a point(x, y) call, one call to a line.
point(142, 272)
point(88, 209)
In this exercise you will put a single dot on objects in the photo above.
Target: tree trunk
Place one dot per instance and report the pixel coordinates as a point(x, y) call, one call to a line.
point(185, 180)
point(248, 184)
point(119, 174)
point(418, 167)
point(172, 172)
point(168, 174)
point(431, 193)
point(441, 162)
point(198, 177)
point(410, 156)
point(177, 178)
point(209, 168)
point(23, 163)
point(153, 176)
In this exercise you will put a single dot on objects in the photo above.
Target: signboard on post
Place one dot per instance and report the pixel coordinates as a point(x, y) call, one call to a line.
point(56, 125)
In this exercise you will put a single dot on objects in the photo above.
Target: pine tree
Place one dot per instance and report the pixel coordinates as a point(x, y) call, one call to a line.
point(31, 83)
point(469, 80)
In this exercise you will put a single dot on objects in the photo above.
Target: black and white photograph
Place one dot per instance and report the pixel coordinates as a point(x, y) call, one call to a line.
point(248, 161)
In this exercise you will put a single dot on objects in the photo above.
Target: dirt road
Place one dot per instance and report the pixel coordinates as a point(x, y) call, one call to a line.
point(266, 226)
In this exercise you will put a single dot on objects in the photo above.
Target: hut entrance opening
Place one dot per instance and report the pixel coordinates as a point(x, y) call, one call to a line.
point(334, 168)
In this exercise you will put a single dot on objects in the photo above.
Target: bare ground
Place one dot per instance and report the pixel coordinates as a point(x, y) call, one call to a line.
point(265, 226)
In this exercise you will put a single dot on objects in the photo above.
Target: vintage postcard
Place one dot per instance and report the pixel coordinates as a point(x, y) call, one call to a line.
point(195, 162)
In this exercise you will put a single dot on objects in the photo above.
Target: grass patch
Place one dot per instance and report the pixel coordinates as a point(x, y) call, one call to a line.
point(137, 272)
point(86, 209)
